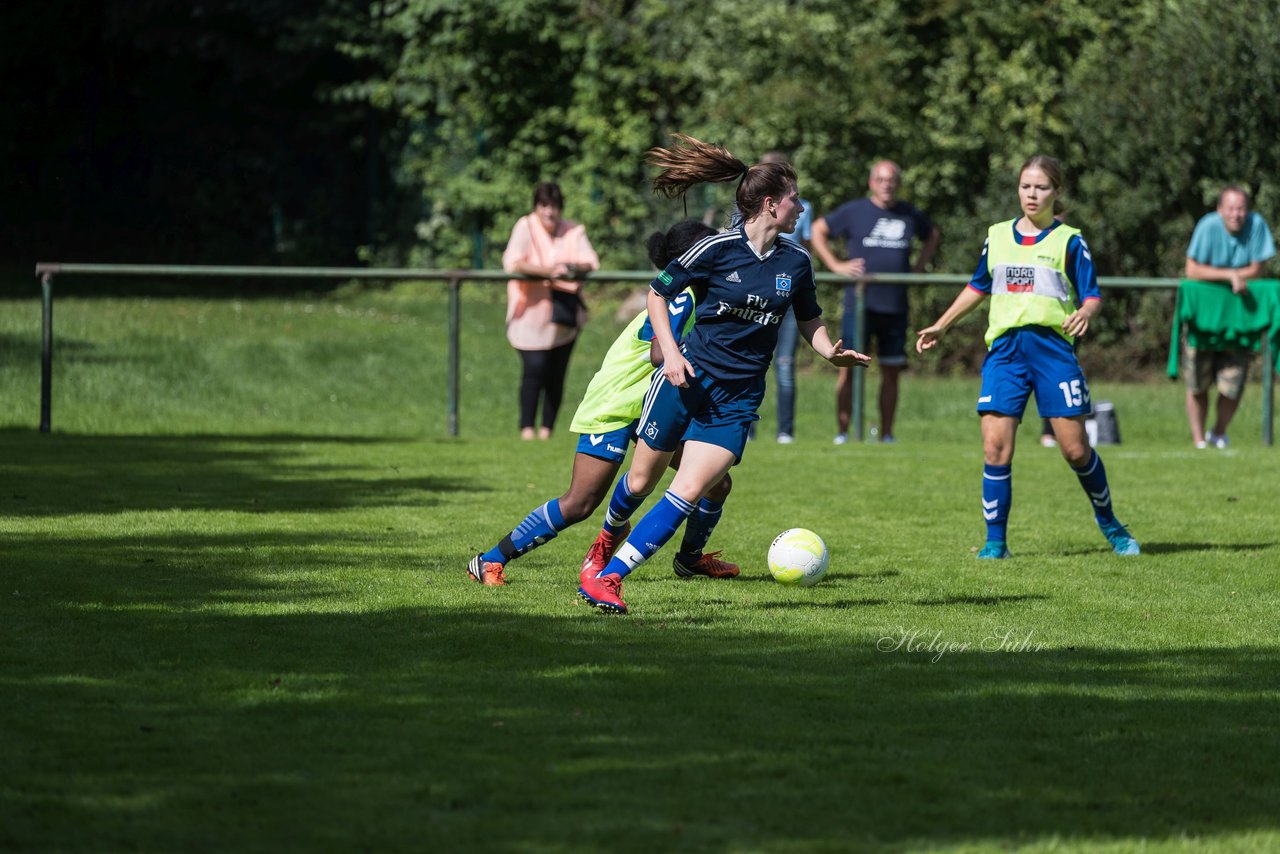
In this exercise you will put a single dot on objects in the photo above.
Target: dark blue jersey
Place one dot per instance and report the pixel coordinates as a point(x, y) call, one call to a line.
point(747, 296)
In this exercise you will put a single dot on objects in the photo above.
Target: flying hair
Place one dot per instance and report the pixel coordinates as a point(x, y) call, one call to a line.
point(691, 162)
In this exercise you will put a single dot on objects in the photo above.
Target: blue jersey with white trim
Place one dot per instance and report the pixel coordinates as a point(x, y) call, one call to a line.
point(747, 296)
point(676, 309)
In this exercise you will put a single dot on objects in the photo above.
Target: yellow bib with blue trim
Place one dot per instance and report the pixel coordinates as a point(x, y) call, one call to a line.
point(615, 395)
point(1029, 284)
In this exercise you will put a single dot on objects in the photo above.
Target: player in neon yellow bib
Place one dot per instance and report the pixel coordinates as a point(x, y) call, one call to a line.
point(1039, 276)
point(606, 421)
point(1030, 285)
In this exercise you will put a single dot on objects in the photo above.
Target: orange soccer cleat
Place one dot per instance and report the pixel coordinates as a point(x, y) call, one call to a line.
point(708, 564)
point(487, 572)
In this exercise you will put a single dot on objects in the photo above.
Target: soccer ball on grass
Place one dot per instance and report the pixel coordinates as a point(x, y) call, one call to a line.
point(798, 556)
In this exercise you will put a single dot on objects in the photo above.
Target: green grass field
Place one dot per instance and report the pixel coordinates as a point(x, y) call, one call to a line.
point(235, 615)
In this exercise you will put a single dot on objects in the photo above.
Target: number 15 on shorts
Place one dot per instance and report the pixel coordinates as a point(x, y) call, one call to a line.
point(1074, 393)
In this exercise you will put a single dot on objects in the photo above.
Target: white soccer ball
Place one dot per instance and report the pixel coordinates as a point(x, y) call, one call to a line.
point(798, 556)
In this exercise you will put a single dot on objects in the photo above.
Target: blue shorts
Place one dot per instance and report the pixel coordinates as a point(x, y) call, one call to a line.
point(611, 446)
point(718, 412)
point(1033, 358)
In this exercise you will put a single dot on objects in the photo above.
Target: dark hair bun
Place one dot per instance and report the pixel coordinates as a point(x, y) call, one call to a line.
point(665, 248)
point(655, 245)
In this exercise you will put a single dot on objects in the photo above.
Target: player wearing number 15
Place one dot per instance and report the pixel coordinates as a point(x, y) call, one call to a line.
point(1029, 267)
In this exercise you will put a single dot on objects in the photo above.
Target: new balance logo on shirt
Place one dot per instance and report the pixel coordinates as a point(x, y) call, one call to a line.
point(888, 234)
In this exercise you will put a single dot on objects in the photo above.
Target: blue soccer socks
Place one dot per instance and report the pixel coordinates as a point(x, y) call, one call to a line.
point(997, 496)
point(701, 524)
point(540, 526)
point(651, 533)
point(622, 506)
point(1093, 478)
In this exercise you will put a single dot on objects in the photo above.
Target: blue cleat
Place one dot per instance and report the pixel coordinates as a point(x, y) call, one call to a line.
point(994, 550)
point(1122, 542)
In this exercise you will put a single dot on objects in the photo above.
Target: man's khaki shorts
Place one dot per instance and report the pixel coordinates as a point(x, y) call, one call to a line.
point(1227, 368)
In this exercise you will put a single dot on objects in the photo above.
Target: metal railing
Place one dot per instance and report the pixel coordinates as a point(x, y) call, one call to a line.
point(46, 271)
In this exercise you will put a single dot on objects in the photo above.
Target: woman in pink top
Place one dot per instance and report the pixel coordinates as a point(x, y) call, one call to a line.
point(545, 314)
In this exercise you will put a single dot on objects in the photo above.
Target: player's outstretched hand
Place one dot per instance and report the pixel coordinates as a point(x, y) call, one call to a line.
point(842, 358)
point(927, 338)
point(678, 371)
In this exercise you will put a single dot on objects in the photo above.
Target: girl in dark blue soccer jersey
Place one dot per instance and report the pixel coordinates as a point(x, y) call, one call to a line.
point(606, 420)
point(1027, 269)
point(709, 389)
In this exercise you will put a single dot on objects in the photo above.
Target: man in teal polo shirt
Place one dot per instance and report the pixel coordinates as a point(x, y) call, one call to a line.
point(1231, 245)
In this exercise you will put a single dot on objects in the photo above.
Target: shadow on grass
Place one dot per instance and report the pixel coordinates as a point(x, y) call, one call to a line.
point(981, 600)
point(61, 474)
point(145, 720)
point(14, 347)
point(1175, 548)
point(190, 570)
point(832, 578)
point(19, 348)
point(838, 605)
point(1157, 548)
point(865, 602)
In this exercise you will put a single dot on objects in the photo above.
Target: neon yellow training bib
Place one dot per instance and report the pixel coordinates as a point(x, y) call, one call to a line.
point(615, 394)
point(1029, 284)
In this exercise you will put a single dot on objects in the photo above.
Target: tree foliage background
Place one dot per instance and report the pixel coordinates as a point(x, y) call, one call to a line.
point(413, 131)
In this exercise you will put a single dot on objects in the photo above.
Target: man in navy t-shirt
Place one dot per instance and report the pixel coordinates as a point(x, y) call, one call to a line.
point(878, 231)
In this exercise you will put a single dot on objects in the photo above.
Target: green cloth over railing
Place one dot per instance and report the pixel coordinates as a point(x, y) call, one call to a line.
point(1218, 319)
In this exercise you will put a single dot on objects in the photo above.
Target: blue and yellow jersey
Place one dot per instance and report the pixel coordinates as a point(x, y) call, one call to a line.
point(615, 394)
point(1030, 277)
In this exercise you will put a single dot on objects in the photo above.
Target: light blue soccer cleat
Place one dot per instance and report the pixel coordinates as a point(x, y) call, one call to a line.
point(1122, 542)
point(994, 550)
